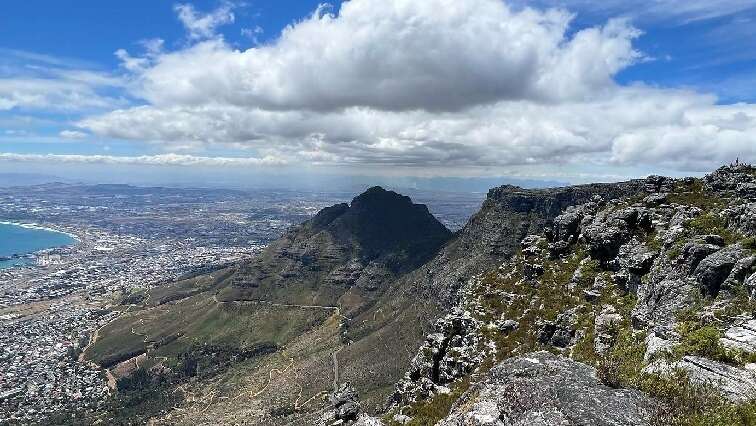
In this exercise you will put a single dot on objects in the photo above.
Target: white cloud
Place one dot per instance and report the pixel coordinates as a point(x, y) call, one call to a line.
point(435, 83)
point(669, 11)
point(201, 26)
point(145, 160)
point(403, 54)
point(65, 93)
point(72, 134)
point(253, 33)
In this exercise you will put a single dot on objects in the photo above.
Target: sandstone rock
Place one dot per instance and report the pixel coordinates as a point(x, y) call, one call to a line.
point(741, 337)
point(544, 389)
point(659, 301)
point(659, 184)
point(365, 420)
point(654, 200)
point(656, 346)
point(733, 179)
point(532, 245)
point(693, 253)
point(715, 268)
point(742, 218)
point(558, 248)
point(532, 270)
point(451, 352)
point(561, 332)
point(636, 257)
point(402, 419)
point(750, 284)
point(566, 225)
point(736, 384)
point(345, 407)
point(591, 295)
point(507, 325)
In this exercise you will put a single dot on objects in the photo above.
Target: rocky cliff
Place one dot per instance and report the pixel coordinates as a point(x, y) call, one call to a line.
point(655, 291)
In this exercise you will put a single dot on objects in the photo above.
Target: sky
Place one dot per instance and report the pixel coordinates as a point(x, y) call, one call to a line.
point(571, 90)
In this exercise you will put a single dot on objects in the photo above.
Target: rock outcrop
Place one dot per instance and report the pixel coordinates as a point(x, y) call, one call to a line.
point(545, 389)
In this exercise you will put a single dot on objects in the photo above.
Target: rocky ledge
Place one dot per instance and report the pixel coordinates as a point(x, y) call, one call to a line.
point(543, 389)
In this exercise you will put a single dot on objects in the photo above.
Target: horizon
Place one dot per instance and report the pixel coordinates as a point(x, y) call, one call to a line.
point(217, 92)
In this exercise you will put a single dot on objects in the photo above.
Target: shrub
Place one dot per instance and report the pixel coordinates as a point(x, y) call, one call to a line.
point(710, 223)
point(683, 403)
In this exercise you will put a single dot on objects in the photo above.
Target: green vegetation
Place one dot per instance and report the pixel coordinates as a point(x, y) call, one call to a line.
point(703, 340)
point(430, 412)
point(711, 223)
point(621, 367)
point(683, 403)
point(695, 195)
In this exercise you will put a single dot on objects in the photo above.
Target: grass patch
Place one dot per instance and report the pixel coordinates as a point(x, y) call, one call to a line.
point(696, 195)
point(683, 403)
point(711, 223)
point(430, 412)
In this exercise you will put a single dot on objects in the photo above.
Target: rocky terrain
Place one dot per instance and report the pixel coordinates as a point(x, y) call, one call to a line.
point(621, 304)
point(645, 301)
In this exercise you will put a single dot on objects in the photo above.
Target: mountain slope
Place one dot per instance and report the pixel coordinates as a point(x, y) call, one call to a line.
point(249, 316)
point(351, 293)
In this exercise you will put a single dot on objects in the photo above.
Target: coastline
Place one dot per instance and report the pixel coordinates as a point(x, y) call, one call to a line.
point(26, 259)
point(42, 228)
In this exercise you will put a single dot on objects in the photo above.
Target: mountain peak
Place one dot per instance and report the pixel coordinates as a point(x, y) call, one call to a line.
point(378, 197)
point(384, 222)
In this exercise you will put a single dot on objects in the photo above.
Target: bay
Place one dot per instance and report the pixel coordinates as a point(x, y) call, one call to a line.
point(16, 239)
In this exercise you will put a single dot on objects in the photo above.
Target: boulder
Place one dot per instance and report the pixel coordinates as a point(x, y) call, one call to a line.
point(561, 332)
point(449, 353)
point(659, 184)
point(345, 403)
point(545, 389)
point(566, 225)
point(656, 346)
point(742, 217)
point(659, 301)
point(507, 325)
point(715, 268)
point(693, 253)
point(654, 200)
point(636, 257)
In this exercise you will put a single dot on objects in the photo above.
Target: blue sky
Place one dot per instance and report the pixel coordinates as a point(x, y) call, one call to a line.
point(367, 89)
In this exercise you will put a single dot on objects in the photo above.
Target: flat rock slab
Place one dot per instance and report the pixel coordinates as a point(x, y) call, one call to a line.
point(741, 337)
point(545, 389)
point(736, 384)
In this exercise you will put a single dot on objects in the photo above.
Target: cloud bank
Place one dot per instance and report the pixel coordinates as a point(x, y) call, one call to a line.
point(144, 160)
point(425, 84)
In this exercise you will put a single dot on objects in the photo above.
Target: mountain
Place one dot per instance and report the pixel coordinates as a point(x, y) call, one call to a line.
point(345, 256)
point(639, 291)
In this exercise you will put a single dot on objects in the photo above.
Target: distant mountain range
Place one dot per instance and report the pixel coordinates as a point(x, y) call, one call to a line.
point(303, 183)
point(26, 179)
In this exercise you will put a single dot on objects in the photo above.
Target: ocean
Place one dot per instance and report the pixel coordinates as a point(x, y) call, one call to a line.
point(15, 239)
